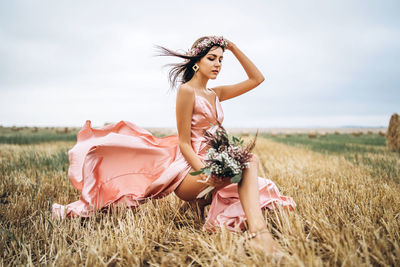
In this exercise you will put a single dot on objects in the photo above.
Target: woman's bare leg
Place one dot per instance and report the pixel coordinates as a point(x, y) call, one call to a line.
point(249, 198)
point(188, 190)
point(189, 187)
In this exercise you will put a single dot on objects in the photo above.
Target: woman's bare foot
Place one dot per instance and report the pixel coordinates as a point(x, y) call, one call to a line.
point(265, 242)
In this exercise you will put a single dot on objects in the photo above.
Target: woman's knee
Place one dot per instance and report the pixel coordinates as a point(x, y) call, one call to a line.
point(254, 159)
point(253, 163)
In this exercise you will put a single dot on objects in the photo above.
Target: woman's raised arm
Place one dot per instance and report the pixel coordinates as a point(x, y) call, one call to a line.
point(255, 77)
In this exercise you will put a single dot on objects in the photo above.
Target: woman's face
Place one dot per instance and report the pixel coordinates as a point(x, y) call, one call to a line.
point(210, 64)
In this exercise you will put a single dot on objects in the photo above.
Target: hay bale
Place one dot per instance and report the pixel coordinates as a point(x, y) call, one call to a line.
point(16, 129)
point(337, 132)
point(382, 133)
point(370, 132)
point(393, 133)
point(356, 134)
point(60, 130)
point(312, 135)
point(325, 134)
point(288, 135)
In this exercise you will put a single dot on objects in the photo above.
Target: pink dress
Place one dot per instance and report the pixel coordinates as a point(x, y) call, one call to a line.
point(124, 163)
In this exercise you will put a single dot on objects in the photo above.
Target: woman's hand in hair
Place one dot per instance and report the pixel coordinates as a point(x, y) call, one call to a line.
point(230, 44)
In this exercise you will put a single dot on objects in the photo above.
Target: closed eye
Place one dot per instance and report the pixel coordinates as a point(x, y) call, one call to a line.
point(212, 59)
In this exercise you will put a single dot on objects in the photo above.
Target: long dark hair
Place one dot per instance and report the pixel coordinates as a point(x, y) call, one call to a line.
point(183, 71)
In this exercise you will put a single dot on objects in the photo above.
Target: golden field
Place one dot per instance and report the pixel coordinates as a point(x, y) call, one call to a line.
point(348, 214)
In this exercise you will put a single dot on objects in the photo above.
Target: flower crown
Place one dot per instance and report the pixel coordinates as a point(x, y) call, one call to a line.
point(207, 42)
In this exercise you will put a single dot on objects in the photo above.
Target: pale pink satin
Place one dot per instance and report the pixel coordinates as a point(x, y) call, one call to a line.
point(124, 163)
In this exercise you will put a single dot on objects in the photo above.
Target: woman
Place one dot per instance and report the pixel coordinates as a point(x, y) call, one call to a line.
point(124, 163)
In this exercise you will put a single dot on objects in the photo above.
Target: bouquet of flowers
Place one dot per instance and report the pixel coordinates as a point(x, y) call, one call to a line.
point(226, 157)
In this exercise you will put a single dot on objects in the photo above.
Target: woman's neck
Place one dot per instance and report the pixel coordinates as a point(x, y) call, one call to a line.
point(198, 82)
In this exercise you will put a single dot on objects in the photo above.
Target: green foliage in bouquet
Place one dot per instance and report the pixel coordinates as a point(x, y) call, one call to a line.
point(227, 156)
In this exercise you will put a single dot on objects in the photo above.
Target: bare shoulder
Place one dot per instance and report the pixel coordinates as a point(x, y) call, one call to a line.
point(185, 91)
point(185, 98)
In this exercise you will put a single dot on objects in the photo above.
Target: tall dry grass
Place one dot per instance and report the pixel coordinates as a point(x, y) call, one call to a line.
point(344, 217)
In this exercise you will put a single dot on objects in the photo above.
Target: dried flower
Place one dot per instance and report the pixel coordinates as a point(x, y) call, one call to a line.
point(226, 157)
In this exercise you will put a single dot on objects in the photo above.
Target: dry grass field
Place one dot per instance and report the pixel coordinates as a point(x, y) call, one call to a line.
point(348, 213)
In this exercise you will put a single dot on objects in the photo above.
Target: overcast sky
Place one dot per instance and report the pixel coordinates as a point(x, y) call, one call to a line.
point(326, 64)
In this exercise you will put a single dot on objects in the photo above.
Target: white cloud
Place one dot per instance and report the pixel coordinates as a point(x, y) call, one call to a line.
point(64, 64)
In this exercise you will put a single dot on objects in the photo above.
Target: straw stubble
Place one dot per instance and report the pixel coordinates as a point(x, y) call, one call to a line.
point(343, 217)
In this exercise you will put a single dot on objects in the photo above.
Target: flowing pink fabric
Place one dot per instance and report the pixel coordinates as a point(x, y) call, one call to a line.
point(124, 163)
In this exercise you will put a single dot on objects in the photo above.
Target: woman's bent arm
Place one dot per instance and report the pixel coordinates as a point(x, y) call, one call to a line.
point(184, 108)
point(255, 77)
point(191, 157)
point(251, 70)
